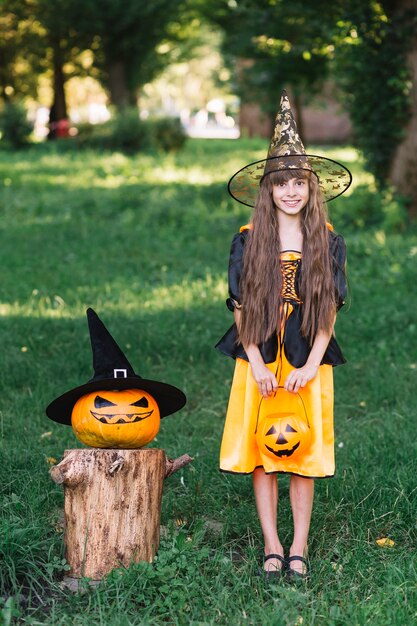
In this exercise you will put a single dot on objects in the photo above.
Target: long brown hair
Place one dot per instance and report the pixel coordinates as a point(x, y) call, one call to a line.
point(261, 281)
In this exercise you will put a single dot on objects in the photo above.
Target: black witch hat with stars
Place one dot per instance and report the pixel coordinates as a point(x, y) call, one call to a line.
point(286, 152)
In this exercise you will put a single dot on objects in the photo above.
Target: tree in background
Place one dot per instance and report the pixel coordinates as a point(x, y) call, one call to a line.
point(369, 48)
point(403, 163)
point(131, 40)
point(197, 75)
point(277, 44)
point(63, 44)
point(130, 43)
point(40, 38)
point(378, 46)
point(21, 52)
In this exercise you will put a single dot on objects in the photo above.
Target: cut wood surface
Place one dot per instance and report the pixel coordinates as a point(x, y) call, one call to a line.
point(112, 506)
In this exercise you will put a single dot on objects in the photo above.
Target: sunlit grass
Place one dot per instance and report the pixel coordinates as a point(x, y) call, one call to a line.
point(145, 241)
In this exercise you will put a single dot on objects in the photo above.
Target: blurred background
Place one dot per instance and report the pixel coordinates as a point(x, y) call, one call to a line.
point(97, 70)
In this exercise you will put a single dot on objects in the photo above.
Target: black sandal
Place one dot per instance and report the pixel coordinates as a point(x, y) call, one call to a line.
point(292, 573)
point(274, 573)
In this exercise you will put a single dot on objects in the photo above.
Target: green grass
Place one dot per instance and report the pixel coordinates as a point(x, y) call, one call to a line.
point(144, 240)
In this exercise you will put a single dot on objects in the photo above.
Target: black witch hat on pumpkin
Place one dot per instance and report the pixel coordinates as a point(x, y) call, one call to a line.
point(287, 152)
point(112, 371)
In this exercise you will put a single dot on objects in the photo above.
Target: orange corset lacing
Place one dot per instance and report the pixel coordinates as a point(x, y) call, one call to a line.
point(289, 270)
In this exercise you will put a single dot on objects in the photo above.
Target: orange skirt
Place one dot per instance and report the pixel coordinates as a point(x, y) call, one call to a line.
point(291, 433)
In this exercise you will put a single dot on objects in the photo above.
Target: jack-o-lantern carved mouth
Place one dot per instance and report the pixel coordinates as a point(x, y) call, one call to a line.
point(283, 452)
point(125, 416)
point(120, 418)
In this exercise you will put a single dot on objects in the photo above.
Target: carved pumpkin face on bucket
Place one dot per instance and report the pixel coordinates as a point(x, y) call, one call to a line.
point(283, 430)
point(284, 436)
point(116, 419)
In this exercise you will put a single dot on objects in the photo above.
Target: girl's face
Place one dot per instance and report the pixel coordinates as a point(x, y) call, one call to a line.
point(291, 196)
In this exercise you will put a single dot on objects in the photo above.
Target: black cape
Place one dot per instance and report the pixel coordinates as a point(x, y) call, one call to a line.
point(296, 347)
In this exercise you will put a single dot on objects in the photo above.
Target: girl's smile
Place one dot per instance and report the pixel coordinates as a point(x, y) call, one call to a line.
point(291, 196)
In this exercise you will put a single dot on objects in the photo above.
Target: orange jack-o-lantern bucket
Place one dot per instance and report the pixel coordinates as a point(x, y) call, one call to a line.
point(283, 430)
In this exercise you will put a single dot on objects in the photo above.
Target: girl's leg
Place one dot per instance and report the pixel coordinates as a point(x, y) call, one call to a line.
point(301, 496)
point(266, 496)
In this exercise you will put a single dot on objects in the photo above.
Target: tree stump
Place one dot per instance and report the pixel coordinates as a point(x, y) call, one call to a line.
point(112, 506)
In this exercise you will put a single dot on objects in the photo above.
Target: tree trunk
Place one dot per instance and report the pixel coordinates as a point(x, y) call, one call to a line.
point(58, 110)
point(403, 171)
point(120, 95)
point(112, 506)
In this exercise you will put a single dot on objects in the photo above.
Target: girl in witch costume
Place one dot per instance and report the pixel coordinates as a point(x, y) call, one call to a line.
point(116, 408)
point(286, 282)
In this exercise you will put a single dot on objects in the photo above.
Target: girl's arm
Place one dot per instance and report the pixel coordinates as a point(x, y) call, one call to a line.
point(264, 378)
point(301, 376)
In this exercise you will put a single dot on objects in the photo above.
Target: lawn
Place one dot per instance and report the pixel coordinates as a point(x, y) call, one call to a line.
point(145, 240)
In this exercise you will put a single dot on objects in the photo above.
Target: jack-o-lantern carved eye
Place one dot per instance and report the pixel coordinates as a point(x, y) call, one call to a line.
point(100, 402)
point(143, 402)
point(290, 429)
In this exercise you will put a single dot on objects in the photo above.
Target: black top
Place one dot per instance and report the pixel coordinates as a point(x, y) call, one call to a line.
point(296, 347)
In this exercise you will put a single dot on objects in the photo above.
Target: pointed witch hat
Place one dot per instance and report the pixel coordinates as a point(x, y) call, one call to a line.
point(287, 152)
point(112, 371)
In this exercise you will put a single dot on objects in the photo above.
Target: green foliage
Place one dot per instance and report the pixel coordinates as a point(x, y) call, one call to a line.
point(39, 37)
point(21, 52)
point(167, 133)
point(131, 41)
point(173, 582)
point(371, 66)
point(282, 44)
point(8, 610)
point(144, 239)
point(361, 45)
point(365, 208)
point(15, 128)
point(29, 548)
point(128, 133)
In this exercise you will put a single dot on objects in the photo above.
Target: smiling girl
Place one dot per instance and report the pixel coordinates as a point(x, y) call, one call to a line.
point(286, 282)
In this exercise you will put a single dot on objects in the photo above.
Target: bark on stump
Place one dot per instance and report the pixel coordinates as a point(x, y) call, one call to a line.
point(112, 506)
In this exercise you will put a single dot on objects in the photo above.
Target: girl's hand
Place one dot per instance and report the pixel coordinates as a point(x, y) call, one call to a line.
point(300, 377)
point(264, 378)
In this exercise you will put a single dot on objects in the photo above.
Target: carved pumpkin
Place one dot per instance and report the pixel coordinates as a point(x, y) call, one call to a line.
point(283, 436)
point(283, 430)
point(116, 419)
